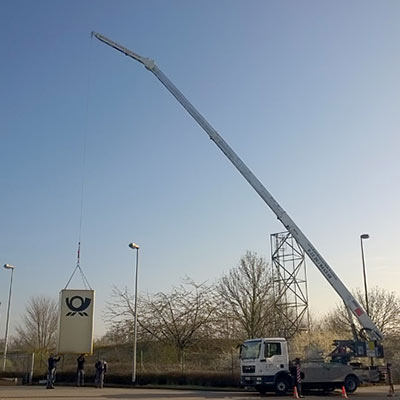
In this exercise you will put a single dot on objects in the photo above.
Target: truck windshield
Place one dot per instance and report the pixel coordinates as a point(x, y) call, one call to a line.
point(250, 349)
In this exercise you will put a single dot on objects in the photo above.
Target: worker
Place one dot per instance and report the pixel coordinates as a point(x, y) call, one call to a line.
point(80, 379)
point(296, 374)
point(101, 370)
point(390, 379)
point(51, 373)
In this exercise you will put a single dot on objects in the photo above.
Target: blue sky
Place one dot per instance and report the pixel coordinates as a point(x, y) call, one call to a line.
point(307, 93)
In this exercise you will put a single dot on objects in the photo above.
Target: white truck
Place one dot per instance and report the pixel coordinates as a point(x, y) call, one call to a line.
point(265, 366)
point(260, 368)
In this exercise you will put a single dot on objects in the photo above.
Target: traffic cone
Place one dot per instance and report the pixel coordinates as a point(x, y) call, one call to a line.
point(295, 393)
point(344, 394)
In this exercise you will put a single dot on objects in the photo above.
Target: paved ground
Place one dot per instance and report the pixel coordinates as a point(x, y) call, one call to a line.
point(90, 393)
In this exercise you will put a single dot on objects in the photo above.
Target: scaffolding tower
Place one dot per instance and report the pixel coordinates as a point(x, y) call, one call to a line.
point(289, 285)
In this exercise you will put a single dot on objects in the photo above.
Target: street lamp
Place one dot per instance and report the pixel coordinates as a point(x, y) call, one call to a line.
point(134, 246)
point(364, 236)
point(11, 267)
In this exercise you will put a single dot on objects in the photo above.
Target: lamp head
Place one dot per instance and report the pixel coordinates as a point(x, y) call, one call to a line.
point(8, 266)
point(364, 236)
point(133, 246)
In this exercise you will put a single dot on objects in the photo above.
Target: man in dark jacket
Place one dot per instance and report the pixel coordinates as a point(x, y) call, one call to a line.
point(80, 379)
point(51, 373)
point(101, 370)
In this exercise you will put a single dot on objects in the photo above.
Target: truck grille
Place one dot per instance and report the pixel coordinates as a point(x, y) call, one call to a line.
point(248, 369)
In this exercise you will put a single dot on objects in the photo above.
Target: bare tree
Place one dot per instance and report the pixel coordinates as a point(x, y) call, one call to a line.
point(384, 310)
point(247, 294)
point(39, 325)
point(119, 315)
point(179, 318)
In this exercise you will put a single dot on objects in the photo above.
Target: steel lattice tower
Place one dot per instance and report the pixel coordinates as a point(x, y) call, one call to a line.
point(289, 285)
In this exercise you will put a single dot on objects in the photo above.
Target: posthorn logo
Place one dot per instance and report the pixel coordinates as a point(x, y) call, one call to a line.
point(77, 306)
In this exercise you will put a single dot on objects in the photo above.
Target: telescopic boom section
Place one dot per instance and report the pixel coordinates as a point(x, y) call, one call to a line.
point(372, 331)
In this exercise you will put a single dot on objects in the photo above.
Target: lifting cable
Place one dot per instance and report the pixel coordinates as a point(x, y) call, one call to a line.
point(83, 168)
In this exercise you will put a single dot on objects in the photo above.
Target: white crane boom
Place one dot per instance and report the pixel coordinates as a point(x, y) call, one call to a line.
point(370, 328)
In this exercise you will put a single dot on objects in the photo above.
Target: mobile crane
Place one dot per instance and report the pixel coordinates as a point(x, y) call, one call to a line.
point(370, 343)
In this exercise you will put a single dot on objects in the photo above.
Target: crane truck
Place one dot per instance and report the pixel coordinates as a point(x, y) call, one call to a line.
point(265, 366)
point(265, 362)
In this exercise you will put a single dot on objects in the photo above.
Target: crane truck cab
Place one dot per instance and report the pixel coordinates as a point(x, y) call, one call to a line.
point(265, 366)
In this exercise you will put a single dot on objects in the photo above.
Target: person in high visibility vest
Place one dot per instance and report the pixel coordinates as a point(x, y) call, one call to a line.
point(295, 371)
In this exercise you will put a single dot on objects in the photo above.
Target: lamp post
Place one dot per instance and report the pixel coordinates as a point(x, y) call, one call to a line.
point(11, 267)
point(134, 246)
point(364, 236)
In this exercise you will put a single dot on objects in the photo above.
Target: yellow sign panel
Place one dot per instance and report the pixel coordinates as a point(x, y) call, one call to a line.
point(76, 321)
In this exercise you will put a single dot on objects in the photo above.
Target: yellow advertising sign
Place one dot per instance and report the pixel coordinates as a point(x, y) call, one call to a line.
point(75, 323)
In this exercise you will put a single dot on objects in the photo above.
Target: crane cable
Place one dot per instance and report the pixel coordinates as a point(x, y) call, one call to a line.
point(83, 169)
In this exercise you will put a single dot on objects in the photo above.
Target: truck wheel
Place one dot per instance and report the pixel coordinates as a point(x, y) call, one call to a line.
point(351, 383)
point(281, 386)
